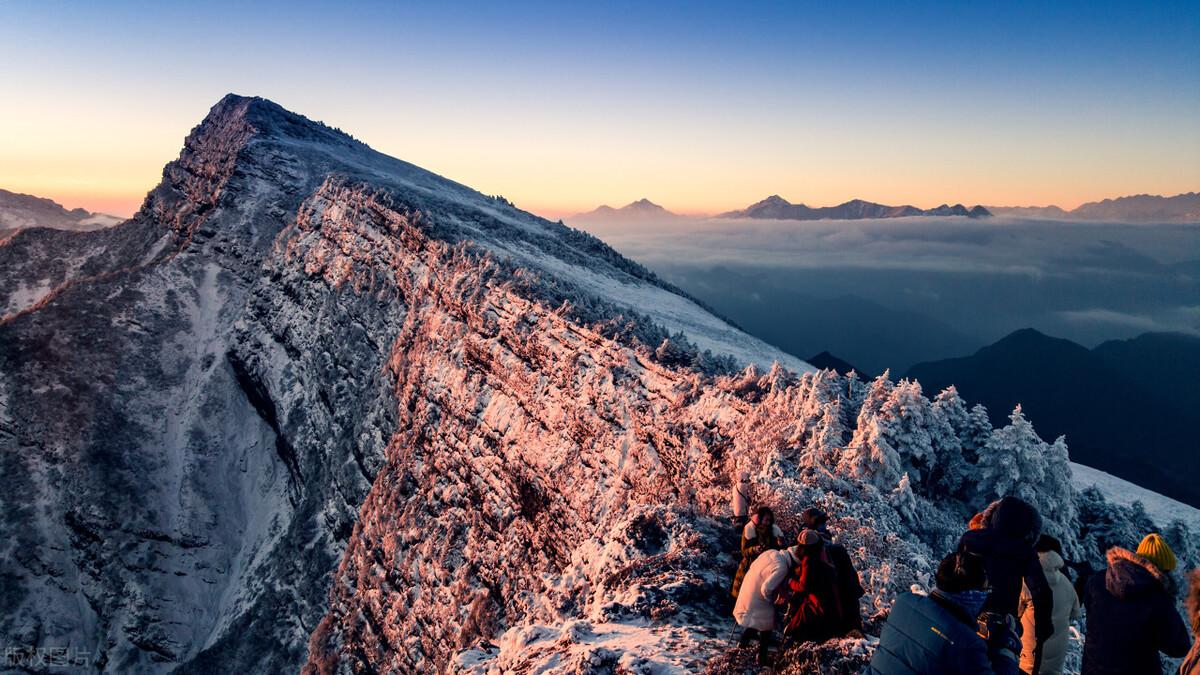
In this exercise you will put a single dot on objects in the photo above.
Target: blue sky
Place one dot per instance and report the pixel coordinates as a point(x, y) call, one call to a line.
point(700, 106)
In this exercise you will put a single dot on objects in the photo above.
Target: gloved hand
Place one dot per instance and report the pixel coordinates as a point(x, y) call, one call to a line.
point(999, 631)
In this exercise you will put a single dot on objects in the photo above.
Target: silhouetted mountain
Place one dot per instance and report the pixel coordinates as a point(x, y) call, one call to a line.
point(827, 361)
point(641, 210)
point(778, 208)
point(20, 211)
point(1114, 418)
point(1167, 364)
point(1143, 209)
point(1182, 208)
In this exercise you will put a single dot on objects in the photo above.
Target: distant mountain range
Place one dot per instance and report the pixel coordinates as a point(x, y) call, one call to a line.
point(19, 211)
point(1126, 407)
point(641, 210)
point(778, 208)
point(1183, 208)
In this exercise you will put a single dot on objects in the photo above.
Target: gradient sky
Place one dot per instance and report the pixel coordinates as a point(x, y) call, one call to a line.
point(701, 107)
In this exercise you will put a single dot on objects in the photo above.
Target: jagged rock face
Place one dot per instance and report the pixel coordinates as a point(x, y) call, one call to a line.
point(195, 403)
point(168, 488)
point(316, 408)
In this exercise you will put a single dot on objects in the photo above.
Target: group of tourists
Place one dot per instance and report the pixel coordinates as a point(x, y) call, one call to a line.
point(1001, 602)
point(813, 580)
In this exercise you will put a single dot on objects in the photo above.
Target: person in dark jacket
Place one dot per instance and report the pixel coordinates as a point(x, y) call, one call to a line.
point(760, 534)
point(849, 586)
point(1131, 617)
point(938, 634)
point(814, 613)
point(1005, 543)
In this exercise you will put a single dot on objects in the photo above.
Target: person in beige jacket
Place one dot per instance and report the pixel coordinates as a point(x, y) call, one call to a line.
point(1065, 610)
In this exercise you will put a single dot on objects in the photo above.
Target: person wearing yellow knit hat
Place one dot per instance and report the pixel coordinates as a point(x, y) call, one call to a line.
point(1155, 549)
point(1131, 614)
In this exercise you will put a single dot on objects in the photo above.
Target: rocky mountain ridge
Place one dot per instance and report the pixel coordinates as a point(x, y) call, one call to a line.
point(314, 407)
point(1143, 208)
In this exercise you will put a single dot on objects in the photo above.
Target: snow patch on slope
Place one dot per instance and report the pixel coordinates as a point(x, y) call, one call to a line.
point(1162, 510)
point(671, 310)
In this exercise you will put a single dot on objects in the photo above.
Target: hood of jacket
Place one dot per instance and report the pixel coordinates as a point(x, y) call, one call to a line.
point(1014, 519)
point(1051, 562)
point(1131, 576)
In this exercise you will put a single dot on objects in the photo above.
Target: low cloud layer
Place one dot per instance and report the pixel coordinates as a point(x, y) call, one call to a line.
point(984, 278)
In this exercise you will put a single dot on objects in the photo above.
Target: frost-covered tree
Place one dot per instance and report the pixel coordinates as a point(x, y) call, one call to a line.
point(675, 351)
point(899, 431)
point(828, 436)
point(1017, 462)
point(1103, 524)
point(904, 501)
point(950, 468)
point(1183, 542)
point(1059, 492)
point(871, 455)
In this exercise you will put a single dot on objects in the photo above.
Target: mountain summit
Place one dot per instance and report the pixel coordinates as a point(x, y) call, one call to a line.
point(315, 408)
point(642, 210)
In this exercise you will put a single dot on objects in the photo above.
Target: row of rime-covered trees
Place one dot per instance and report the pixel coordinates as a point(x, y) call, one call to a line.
point(911, 448)
point(892, 436)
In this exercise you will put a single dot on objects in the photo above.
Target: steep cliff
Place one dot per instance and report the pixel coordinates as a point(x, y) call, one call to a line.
point(314, 407)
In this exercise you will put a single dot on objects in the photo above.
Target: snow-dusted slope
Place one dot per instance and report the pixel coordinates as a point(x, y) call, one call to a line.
point(316, 407)
point(1161, 509)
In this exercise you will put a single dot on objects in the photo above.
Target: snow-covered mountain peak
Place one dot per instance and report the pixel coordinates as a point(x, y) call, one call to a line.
point(317, 407)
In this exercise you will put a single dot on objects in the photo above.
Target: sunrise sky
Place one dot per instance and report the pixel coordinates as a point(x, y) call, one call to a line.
point(701, 107)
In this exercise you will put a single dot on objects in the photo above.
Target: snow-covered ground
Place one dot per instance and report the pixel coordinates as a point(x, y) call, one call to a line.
point(1161, 509)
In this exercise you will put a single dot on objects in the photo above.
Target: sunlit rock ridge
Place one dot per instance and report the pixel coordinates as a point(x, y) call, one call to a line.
point(317, 408)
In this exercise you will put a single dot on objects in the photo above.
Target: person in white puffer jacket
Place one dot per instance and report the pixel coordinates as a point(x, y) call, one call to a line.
point(1065, 610)
point(755, 607)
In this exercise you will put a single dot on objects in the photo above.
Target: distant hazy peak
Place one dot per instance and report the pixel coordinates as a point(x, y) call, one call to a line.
point(1142, 208)
point(642, 209)
point(778, 208)
point(20, 211)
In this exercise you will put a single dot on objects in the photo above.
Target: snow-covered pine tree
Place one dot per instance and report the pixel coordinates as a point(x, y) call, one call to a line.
point(1012, 463)
point(1059, 514)
point(950, 468)
point(870, 454)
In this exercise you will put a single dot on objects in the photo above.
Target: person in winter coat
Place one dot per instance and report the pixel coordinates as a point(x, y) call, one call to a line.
point(760, 534)
point(814, 613)
point(740, 500)
point(1005, 543)
point(1066, 610)
point(755, 606)
point(938, 634)
point(1131, 614)
point(849, 586)
point(1191, 662)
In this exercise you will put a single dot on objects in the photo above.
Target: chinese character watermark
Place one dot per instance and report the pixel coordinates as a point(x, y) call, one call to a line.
point(44, 657)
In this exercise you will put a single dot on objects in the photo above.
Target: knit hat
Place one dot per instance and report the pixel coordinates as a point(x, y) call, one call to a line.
point(808, 538)
point(1154, 548)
